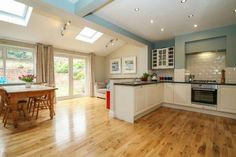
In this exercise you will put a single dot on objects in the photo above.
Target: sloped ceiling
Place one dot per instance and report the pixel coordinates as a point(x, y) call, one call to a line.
point(46, 30)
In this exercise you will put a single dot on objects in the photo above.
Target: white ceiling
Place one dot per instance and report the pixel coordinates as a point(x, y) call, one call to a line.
point(46, 30)
point(169, 14)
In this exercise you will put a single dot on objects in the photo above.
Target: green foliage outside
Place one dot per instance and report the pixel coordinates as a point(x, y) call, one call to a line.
point(19, 54)
point(78, 69)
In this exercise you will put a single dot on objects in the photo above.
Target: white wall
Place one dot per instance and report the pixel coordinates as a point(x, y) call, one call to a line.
point(100, 68)
point(141, 52)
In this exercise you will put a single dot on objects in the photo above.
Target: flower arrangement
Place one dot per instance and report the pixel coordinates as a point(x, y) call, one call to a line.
point(27, 78)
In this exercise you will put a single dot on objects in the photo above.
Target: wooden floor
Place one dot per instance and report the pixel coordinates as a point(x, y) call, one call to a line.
point(82, 128)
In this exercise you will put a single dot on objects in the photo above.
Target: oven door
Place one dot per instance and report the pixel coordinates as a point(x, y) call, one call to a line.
point(204, 96)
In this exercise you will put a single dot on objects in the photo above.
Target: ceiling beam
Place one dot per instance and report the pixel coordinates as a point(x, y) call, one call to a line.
point(63, 4)
point(85, 7)
point(100, 21)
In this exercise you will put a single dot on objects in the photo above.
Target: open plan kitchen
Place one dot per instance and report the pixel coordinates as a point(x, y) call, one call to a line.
point(118, 78)
point(205, 84)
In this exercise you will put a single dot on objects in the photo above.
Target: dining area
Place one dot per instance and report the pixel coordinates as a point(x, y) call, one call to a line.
point(19, 102)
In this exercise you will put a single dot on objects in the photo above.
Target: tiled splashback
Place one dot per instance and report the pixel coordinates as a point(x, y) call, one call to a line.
point(206, 65)
point(164, 72)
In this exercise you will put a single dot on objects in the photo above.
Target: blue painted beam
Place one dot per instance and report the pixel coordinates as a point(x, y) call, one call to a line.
point(85, 7)
point(63, 4)
point(98, 20)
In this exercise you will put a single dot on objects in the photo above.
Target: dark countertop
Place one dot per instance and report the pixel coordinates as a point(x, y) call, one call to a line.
point(141, 83)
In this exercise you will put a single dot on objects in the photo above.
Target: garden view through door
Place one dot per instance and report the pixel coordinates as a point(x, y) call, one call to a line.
point(70, 76)
point(79, 79)
point(61, 68)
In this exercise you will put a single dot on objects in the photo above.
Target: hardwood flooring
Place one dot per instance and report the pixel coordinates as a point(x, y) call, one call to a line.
point(82, 128)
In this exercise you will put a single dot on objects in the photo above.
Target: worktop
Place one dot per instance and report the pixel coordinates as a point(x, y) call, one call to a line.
point(141, 83)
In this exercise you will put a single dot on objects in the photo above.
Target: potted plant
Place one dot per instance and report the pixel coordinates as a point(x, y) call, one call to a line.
point(28, 79)
point(145, 77)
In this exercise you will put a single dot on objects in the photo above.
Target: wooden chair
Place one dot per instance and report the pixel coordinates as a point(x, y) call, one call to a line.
point(6, 108)
point(35, 104)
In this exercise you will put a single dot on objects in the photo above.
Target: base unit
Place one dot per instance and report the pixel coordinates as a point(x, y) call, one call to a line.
point(227, 99)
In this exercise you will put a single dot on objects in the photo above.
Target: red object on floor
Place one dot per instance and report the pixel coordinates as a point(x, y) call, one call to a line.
point(108, 105)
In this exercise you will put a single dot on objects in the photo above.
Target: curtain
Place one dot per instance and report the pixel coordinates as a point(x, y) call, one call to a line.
point(91, 73)
point(45, 64)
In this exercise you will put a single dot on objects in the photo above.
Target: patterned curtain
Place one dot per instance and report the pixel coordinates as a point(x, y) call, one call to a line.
point(45, 64)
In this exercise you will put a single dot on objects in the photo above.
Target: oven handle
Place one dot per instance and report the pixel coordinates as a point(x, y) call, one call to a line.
point(202, 89)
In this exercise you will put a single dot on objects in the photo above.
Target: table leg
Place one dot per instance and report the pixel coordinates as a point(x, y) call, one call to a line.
point(51, 102)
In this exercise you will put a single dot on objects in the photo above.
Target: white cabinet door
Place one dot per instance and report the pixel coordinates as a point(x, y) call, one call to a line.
point(159, 93)
point(182, 94)
point(169, 93)
point(140, 100)
point(227, 99)
point(151, 92)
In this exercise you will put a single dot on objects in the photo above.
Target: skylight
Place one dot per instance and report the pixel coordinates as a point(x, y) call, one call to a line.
point(15, 12)
point(88, 35)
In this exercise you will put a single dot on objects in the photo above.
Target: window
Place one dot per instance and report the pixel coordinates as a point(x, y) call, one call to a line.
point(15, 62)
point(15, 12)
point(88, 35)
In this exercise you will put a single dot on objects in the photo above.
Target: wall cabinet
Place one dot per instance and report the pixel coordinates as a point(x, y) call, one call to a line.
point(182, 94)
point(163, 58)
point(227, 99)
point(169, 93)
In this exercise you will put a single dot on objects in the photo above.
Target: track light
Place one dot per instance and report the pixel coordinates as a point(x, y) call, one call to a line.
point(64, 28)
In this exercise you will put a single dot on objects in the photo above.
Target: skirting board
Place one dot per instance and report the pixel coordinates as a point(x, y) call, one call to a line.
point(211, 112)
point(146, 112)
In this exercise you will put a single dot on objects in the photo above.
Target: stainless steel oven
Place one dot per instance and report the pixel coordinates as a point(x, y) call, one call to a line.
point(204, 94)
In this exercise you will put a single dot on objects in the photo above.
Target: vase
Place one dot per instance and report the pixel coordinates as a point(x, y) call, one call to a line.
point(28, 85)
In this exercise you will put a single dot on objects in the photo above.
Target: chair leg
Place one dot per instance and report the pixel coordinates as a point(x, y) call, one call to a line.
point(34, 105)
point(6, 117)
point(38, 107)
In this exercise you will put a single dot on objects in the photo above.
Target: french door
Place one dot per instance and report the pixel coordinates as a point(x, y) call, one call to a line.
point(70, 76)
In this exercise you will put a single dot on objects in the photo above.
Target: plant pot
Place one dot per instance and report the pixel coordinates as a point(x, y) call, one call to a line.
point(28, 85)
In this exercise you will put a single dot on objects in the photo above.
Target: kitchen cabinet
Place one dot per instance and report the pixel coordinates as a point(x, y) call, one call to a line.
point(151, 92)
point(227, 99)
point(169, 93)
point(140, 99)
point(182, 94)
point(159, 93)
point(136, 101)
point(163, 58)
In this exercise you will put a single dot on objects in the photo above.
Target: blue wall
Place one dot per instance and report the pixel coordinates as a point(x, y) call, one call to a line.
point(180, 41)
point(165, 43)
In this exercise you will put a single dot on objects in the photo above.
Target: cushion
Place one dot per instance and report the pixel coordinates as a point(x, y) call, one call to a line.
point(102, 90)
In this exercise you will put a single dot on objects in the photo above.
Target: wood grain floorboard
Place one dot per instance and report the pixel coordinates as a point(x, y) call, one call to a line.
point(82, 127)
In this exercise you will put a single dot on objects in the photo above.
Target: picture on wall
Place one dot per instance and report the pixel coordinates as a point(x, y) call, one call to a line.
point(129, 65)
point(115, 66)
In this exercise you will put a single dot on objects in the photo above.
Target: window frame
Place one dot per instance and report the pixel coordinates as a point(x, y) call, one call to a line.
point(5, 49)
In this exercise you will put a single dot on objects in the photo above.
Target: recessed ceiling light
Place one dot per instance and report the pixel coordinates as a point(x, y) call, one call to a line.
point(183, 1)
point(190, 16)
point(151, 21)
point(195, 26)
point(162, 29)
point(234, 10)
point(137, 9)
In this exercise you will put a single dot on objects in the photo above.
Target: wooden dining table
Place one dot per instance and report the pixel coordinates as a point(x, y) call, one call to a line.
point(18, 92)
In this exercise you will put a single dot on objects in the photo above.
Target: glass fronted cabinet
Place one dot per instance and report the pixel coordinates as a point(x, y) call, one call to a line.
point(163, 58)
